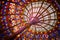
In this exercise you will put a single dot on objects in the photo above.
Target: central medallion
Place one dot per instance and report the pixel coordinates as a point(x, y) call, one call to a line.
point(34, 20)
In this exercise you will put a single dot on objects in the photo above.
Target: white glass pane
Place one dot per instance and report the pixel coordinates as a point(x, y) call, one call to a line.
point(50, 10)
point(45, 13)
point(36, 4)
point(34, 9)
point(42, 10)
point(55, 15)
point(46, 21)
point(43, 25)
point(46, 3)
point(34, 14)
point(52, 17)
point(46, 18)
point(25, 13)
point(41, 19)
point(52, 14)
point(48, 27)
point(30, 11)
point(32, 27)
point(52, 21)
point(45, 6)
point(42, 29)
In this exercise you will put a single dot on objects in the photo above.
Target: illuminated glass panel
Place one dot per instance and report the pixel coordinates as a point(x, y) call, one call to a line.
point(14, 17)
point(47, 16)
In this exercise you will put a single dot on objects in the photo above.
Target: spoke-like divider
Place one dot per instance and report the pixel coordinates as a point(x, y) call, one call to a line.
point(46, 23)
point(40, 8)
point(44, 10)
point(42, 27)
point(48, 14)
point(47, 19)
point(32, 10)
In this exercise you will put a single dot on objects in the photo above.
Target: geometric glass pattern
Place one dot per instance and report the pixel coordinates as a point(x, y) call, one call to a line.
point(44, 12)
point(29, 20)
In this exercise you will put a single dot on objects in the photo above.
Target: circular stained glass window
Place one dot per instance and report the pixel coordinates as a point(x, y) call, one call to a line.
point(42, 16)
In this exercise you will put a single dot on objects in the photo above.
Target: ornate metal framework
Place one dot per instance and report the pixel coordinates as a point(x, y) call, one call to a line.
point(30, 20)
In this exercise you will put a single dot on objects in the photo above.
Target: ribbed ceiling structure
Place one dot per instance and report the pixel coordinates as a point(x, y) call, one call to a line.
point(29, 20)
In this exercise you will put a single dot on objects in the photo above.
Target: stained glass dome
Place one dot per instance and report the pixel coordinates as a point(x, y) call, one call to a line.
point(42, 12)
point(29, 20)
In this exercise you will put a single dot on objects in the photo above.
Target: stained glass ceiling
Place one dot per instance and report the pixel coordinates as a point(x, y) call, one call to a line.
point(29, 20)
point(45, 13)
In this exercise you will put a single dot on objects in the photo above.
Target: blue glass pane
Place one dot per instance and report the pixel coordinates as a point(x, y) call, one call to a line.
point(53, 35)
point(23, 1)
point(59, 25)
point(0, 26)
point(1, 35)
point(59, 32)
point(4, 18)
